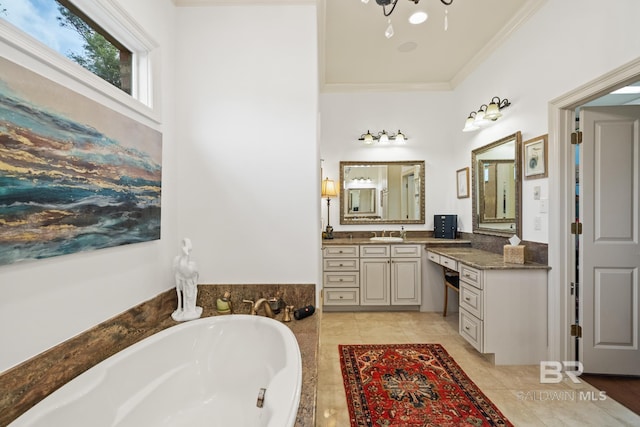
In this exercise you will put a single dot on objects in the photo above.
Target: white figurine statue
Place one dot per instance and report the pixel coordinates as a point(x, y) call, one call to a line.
point(186, 273)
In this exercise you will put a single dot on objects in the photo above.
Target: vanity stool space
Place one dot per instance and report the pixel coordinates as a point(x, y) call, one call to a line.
point(503, 306)
point(373, 276)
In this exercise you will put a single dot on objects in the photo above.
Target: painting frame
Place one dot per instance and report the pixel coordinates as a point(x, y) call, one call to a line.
point(535, 157)
point(462, 183)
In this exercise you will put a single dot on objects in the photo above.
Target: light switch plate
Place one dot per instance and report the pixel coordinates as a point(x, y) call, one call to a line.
point(536, 192)
point(544, 205)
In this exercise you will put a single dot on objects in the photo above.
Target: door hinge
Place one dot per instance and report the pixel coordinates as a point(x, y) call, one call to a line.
point(576, 228)
point(576, 331)
point(576, 137)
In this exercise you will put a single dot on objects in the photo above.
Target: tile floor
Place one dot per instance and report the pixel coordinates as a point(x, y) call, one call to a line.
point(515, 390)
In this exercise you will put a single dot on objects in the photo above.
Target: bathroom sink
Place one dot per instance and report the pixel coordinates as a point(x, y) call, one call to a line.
point(386, 239)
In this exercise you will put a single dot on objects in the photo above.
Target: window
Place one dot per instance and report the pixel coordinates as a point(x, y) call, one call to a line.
point(63, 27)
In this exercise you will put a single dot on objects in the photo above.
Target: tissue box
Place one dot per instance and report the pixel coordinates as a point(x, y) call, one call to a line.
point(514, 254)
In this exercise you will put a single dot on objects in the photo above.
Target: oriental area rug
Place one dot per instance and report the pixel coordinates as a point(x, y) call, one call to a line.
point(411, 385)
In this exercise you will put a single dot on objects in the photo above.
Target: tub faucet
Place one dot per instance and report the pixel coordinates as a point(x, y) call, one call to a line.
point(255, 307)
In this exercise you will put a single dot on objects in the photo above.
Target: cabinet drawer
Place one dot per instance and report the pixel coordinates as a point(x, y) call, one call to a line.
point(406, 251)
point(471, 299)
point(340, 264)
point(345, 251)
point(341, 296)
point(471, 275)
point(349, 279)
point(433, 257)
point(472, 329)
point(448, 262)
point(375, 251)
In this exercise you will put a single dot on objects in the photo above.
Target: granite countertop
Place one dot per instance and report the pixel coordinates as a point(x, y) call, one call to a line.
point(408, 241)
point(484, 260)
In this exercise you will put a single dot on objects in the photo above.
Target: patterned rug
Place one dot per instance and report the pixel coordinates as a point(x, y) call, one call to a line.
point(412, 385)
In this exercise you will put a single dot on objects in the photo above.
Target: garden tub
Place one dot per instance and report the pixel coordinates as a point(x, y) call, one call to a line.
point(236, 370)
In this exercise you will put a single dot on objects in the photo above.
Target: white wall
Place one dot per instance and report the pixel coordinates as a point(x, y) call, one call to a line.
point(48, 301)
point(425, 119)
point(247, 112)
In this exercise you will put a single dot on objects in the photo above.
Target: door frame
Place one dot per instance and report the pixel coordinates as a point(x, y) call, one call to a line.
point(561, 195)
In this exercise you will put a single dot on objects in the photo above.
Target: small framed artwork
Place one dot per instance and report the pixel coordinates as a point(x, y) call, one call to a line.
point(535, 158)
point(462, 180)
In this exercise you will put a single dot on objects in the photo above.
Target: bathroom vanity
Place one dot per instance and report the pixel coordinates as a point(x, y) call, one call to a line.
point(361, 274)
point(503, 306)
point(372, 275)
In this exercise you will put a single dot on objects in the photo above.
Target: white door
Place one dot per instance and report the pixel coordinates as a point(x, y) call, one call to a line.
point(610, 242)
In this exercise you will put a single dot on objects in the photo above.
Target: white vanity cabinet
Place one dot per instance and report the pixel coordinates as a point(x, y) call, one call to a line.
point(504, 312)
point(390, 275)
point(387, 275)
point(503, 307)
point(375, 264)
point(341, 275)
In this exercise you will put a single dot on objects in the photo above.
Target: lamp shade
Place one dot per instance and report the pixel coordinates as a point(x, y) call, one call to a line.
point(329, 188)
point(493, 112)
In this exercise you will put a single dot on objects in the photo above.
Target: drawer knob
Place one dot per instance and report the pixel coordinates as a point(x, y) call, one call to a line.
point(340, 265)
point(341, 297)
point(466, 328)
point(467, 298)
point(341, 279)
point(339, 252)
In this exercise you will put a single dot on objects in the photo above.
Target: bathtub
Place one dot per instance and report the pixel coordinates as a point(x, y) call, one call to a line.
point(211, 371)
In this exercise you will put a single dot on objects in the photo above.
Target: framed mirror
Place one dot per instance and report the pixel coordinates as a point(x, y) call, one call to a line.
point(497, 187)
point(382, 192)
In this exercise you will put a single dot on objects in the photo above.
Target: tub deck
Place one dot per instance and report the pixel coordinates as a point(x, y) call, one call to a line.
point(26, 384)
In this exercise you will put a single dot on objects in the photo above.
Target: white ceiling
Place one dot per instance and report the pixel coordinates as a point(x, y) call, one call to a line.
point(355, 55)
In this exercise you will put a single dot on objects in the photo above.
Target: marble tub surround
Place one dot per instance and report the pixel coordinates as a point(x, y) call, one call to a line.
point(23, 386)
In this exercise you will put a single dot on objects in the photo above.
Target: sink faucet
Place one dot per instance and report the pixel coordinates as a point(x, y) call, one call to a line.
point(383, 231)
point(391, 233)
point(255, 307)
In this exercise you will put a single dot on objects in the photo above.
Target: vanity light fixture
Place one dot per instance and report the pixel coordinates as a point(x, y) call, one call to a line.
point(328, 191)
point(485, 115)
point(388, 6)
point(383, 138)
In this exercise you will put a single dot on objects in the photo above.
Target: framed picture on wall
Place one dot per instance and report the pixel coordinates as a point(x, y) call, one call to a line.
point(462, 180)
point(535, 157)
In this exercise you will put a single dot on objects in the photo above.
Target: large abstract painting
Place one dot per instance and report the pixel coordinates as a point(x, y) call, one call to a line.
point(74, 174)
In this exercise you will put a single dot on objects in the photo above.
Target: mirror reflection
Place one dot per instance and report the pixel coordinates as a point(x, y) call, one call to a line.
point(497, 187)
point(382, 192)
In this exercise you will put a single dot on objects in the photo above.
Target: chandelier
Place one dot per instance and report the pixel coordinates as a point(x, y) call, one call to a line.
point(388, 6)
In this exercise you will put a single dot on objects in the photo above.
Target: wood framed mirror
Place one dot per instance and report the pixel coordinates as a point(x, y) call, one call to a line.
point(497, 187)
point(382, 192)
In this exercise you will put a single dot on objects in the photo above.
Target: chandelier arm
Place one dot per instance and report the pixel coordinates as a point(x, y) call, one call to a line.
point(393, 7)
point(447, 3)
